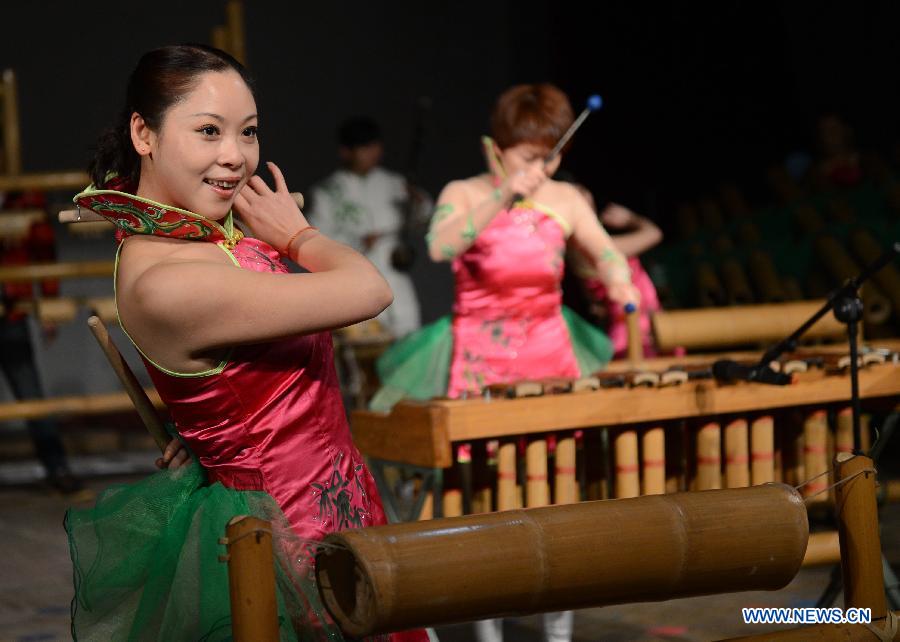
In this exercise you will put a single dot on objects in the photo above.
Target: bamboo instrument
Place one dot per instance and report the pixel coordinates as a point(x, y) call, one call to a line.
point(740, 325)
point(382, 579)
point(251, 580)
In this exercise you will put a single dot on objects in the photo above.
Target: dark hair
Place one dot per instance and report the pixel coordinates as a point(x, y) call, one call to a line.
point(531, 114)
point(162, 78)
point(358, 131)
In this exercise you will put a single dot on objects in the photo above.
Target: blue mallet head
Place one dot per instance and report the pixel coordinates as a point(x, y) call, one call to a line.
point(595, 102)
point(630, 307)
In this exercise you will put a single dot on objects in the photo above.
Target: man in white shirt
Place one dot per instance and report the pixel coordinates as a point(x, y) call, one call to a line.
point(365, 206)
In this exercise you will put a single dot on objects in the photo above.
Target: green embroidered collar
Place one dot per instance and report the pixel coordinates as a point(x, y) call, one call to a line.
point(135, 215)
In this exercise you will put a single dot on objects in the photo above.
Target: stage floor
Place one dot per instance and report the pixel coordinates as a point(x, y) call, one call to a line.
point(36, 581)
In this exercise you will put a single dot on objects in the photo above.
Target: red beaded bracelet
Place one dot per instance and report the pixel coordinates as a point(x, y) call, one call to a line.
point(287, 247)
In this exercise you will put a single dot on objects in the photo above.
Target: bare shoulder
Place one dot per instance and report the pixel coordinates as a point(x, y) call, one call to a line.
point(563, 198)
point(155, 273)
point(467, 189)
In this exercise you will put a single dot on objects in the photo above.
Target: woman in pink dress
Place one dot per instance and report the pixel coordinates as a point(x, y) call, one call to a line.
point(240, 352)
point(507, 257)
point(505, 232)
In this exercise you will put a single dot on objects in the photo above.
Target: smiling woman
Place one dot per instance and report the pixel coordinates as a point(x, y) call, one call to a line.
point(239, 351)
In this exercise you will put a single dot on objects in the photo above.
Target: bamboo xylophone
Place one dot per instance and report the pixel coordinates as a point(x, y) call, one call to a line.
point(667, 429)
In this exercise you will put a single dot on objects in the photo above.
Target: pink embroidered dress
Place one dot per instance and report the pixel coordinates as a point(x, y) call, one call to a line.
point(508, 321)
point(266, 424)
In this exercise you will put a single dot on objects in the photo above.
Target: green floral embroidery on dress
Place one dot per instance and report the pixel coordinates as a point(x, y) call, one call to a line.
point(448, 252)
point(469, 233)
point(335, 499)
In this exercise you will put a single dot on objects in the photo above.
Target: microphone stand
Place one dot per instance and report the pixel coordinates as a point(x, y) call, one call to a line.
point(848, 308)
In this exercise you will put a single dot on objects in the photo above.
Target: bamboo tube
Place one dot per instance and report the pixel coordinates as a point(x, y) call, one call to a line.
point(815, 462)
point(40, 271)
point(737, 469)
point(99, 404)
point(765, 278)
point(877, 307)
point(653, 447)
point(507, 495)
point(381, 579)
point(251, 580)
point(635, 340)
point(627, 470)
point(762, 450)
point(565, 482)
point(857, 515)
point(44, 181)
point(823, 549)
point(740, 325)
point(843, 438)
point(138, 397)
point(537, 491)
point(12, 150)
point(709, 458)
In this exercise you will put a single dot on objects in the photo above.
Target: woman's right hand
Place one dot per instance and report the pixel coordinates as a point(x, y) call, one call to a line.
point(526, 182)
point(272, 215)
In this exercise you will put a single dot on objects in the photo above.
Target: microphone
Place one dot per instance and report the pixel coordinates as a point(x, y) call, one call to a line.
point(728, 371)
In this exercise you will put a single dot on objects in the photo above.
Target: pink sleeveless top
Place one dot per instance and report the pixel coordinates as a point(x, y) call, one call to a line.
point(273, 420)
point(507, 322)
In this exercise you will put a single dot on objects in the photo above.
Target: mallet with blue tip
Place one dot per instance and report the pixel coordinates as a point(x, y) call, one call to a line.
point(594, 103)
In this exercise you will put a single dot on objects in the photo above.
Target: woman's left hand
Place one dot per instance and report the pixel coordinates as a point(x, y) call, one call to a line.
point(175, 455)
point(272, 215)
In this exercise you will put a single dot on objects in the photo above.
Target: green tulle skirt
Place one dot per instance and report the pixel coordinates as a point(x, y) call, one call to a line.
point(418, 367)
point(146, 563)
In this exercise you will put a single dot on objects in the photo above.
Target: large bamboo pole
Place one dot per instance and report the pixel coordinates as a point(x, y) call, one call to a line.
point(740, 325)
point(251, 580)
point(857, 514)
point(382, 579)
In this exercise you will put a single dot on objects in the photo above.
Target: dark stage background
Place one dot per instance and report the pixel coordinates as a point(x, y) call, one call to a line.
point(694, 92)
